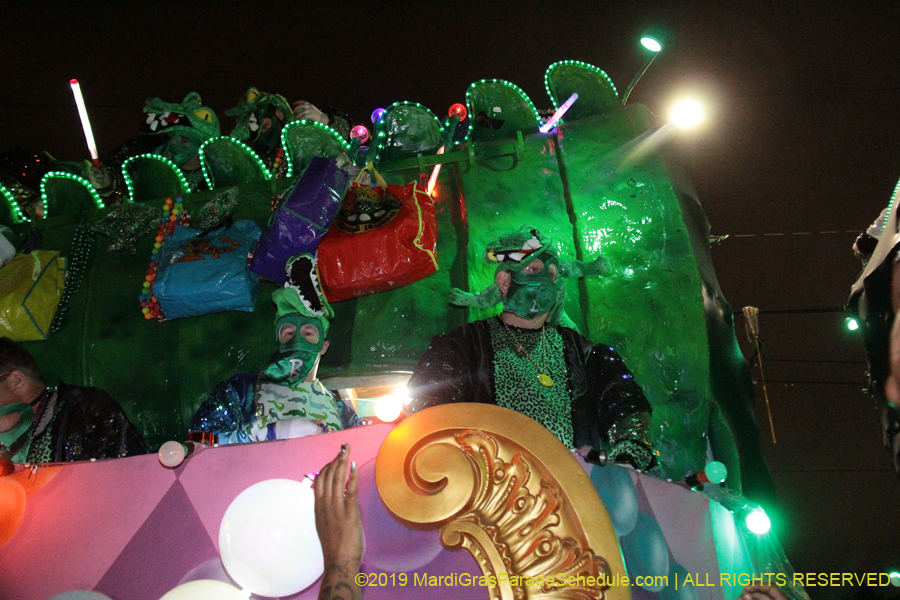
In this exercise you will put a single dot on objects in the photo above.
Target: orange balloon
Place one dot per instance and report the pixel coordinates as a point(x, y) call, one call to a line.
point(12, 507)
point(32, 482)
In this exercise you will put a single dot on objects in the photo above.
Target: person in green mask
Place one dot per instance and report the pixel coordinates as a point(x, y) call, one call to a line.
point(285, 399)
point(186, 127)
point(41, 424)
point(530, 358)
point(260, 118)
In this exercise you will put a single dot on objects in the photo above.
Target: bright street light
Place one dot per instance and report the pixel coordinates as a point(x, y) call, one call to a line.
point(651, 43)
point(686, 114)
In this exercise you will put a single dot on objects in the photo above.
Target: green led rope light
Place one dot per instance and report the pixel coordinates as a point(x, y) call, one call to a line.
point(289, 152)
point(469, 105)
point(379, 144)
point(61, 175)
point(580, 64)
point(245, 147)
point(891, 205)
point(18, 216)
point(185, 187)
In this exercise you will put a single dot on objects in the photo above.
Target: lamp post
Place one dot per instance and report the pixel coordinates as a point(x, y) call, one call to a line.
point(653, 40)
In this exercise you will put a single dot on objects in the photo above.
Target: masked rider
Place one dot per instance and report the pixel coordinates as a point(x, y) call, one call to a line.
point(285, 399)
point(526, 360)
point(185, 127)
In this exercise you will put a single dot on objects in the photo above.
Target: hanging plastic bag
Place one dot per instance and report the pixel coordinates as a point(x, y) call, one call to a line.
point(382, 239)
point(202, 274)
point(302, 220)
point(31, 286)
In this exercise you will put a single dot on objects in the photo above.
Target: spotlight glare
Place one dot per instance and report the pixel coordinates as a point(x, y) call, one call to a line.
point(852, 324)
point(758, 522)
point(651, 44)
point(686, 114)
point(895, 578)
point(388, 408)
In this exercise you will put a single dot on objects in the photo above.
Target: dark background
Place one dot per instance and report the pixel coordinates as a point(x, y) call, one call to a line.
point(801, 151)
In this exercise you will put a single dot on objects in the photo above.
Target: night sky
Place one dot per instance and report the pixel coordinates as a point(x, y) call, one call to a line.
point(801, 151)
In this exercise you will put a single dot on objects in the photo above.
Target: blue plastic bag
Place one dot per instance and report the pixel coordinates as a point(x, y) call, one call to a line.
point(203, 274)
point(304, 217)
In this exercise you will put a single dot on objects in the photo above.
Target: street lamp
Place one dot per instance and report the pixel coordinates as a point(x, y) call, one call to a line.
point(653, 40)
point(686, 113)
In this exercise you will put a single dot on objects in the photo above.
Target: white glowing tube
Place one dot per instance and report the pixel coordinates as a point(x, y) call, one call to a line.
point(559, 113)
point(434, 174)
point(85, 123)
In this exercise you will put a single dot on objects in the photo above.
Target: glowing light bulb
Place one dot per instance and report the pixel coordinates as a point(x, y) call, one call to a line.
point(388, 408)
point(758, 522)
point(686, 114)
point(895, 578)
point(716, 472)
point(172, 453)
point(458, 110)
point(359, 133)
point(651, 44)
point(852, 324)
point(378, 115)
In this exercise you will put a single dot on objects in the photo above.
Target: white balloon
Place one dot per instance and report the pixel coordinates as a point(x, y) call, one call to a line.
point(268, 540)
point(204, 589)
point(171, 454)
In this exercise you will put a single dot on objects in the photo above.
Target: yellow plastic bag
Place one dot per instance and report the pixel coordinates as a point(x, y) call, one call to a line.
point(31, 286)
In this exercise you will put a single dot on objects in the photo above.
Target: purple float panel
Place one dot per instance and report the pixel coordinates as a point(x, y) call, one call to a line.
point(301, 221)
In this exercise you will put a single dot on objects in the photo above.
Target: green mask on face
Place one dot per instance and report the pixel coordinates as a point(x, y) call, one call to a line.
point(18, 439)
point(295, 358)
point(533, 294)
point(177, 152)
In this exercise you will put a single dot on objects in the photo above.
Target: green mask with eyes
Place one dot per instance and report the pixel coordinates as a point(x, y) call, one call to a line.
point(298, 304)
point(295, 358)
point(533, 294)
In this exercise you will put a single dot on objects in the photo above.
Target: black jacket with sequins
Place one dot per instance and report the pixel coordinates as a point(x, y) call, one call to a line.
point(458, 367)
point(89, 423)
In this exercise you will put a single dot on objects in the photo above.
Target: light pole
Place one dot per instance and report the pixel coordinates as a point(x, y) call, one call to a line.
point(653, 40)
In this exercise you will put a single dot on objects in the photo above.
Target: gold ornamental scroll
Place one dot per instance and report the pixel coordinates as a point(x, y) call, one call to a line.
point(504, 488)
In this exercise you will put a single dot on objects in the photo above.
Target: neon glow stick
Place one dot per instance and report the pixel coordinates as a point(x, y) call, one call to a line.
point(559, 113)
point(434, 174)
point(85, 123)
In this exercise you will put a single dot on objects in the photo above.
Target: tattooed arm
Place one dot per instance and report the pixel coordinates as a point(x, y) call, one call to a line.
point(339, 527)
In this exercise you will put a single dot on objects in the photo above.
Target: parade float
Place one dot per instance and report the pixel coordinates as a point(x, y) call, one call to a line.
point(597, 180)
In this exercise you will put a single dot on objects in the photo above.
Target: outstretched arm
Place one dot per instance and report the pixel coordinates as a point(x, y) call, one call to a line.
point(339, 527)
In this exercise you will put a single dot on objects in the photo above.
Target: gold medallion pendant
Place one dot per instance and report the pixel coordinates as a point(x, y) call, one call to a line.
point(545, 380)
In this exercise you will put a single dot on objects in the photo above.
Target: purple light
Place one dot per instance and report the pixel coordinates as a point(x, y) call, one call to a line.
point(559, 113)
point(378, 115)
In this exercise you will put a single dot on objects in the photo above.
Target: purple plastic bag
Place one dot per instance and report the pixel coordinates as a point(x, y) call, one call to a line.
point(302, 219)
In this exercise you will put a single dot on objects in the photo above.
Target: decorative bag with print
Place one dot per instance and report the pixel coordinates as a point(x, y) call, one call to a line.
point(31, 286)
point(383, 238)
point(302, 220)
point(198, 274)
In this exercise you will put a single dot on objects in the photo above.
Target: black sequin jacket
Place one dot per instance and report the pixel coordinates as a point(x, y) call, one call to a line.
point(459, 366)
point(89, 423)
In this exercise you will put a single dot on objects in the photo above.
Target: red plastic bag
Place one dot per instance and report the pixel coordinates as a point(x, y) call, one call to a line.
point(383, 238)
